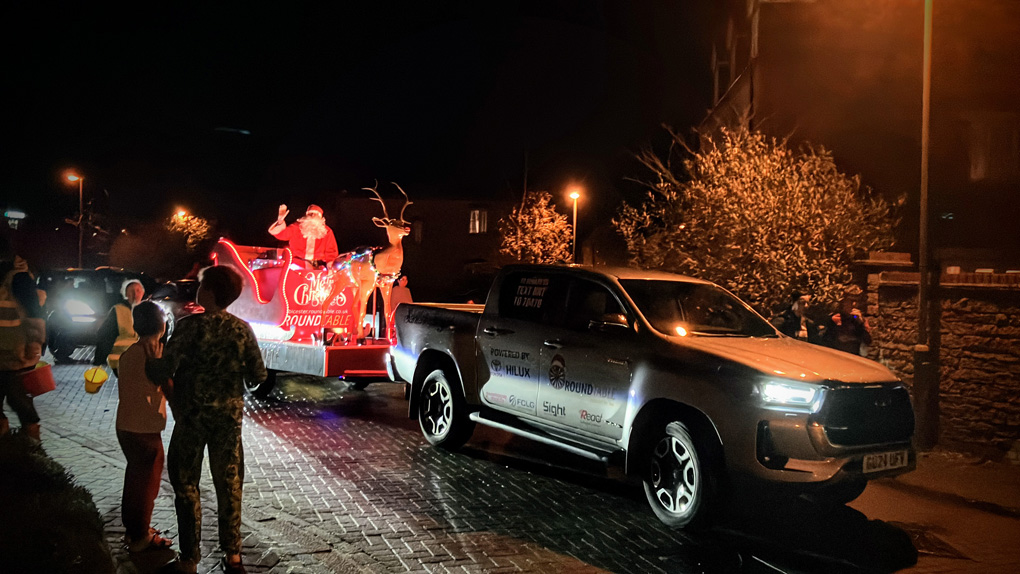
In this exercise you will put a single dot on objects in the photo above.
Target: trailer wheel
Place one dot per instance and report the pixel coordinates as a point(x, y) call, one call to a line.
point(442, 412)
point(261, 391)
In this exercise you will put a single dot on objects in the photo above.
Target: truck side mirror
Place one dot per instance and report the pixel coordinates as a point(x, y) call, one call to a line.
point(610, 322)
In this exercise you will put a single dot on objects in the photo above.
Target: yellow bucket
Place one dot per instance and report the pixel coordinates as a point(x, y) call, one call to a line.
point(94, 379)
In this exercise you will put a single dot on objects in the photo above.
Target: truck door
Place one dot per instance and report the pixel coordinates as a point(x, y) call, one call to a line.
point(585, 365)
point(510, 340)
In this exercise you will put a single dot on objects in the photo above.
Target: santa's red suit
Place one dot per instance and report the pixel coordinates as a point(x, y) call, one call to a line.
point(310, 249)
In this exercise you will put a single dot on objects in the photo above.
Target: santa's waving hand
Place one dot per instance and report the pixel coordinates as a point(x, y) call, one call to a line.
point(309, 238)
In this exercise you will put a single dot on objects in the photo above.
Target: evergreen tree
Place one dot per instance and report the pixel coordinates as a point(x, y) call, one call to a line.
point(534, 232)
point(756, 217)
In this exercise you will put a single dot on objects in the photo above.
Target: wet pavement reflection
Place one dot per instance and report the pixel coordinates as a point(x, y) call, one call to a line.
point(351, 463)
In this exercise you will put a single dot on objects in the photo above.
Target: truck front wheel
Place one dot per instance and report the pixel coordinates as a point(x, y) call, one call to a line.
point(442, 412)
point(679, 483)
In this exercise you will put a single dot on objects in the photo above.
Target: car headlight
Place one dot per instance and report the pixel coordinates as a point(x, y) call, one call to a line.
point(79, 311)
point(791, 394)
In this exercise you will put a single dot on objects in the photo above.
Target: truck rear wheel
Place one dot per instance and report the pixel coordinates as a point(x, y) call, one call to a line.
point(679, 484)
point(262, 390)
point(442, 412)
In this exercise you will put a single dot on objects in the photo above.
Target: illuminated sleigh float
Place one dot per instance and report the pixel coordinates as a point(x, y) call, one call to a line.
point(312, 320)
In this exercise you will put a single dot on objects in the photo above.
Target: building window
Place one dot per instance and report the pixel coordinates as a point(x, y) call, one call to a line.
point(994, 140)
point(479, 221)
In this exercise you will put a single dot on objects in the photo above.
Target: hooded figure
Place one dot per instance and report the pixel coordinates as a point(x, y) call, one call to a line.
point(848, 329)
point(117, 332)
point(794, 321)
point(309, 238)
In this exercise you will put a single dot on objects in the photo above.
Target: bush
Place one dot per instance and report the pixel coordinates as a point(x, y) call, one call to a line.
point(756, 217)
point(534, 232)
point(49, 523)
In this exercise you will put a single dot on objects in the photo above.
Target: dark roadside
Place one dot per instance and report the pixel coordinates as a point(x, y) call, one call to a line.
point(48, 523)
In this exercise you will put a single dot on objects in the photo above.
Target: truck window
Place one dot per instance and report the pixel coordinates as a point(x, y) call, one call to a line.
point(588, 302)
point(534, 297)
point(679, 307)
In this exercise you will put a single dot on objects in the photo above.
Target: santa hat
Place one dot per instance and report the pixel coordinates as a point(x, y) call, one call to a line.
point(312, 208)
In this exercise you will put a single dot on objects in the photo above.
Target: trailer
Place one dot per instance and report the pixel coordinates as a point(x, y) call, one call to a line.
point(304, 319)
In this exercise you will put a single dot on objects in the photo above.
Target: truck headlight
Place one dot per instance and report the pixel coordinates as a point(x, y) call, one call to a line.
point(791, 394)
point(79, 311)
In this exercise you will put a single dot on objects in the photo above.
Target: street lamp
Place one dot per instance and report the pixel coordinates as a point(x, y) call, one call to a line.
point(925, 370)
point(575, 194)
point(72, 177)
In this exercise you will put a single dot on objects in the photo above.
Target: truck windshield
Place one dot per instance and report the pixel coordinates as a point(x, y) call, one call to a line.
point(681, 308)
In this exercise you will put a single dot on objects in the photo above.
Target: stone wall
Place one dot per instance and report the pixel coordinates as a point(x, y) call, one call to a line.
point(978, 321)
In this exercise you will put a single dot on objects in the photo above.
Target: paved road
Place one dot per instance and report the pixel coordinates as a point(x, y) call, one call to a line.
point(342, 480)
point(352, 463)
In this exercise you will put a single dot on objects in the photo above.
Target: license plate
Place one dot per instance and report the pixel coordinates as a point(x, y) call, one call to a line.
point(885, 460)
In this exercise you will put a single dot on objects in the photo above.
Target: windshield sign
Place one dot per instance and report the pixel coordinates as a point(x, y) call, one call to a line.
point(679, 308)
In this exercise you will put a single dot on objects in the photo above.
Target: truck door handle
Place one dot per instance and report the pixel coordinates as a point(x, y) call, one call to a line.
point(553, 343)
point(493, 331)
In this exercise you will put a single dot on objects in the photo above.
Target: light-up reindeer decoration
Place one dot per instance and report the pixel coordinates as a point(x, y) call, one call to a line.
point(367, 268)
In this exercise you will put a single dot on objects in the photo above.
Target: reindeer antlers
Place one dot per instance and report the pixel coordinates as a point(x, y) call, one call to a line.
point(386, 218)
point(407, 200)
point(378, 198)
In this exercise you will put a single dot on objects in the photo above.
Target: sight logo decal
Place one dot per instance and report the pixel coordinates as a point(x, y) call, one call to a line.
point(554, 409)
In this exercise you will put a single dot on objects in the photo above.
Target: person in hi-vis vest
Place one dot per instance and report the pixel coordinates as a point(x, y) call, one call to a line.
point(117, 332)
point(22, 335)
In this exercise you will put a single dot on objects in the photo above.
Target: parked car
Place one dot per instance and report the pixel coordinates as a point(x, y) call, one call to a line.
point(77, 301)
point(692, 389)
point(177, 299)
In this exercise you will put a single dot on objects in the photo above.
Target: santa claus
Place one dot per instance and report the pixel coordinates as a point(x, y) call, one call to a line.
point(309, 238)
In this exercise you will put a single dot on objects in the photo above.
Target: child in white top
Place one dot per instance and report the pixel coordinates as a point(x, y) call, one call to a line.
point(141, 418)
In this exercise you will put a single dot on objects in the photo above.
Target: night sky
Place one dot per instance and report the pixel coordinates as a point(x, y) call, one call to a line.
point(220, 109)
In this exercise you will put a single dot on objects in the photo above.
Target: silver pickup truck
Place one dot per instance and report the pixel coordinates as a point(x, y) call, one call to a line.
point(675, 376)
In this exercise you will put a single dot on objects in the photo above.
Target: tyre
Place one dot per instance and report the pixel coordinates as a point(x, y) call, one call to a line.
point(442, 412)
point(261, 391)
point(680, 483)
point(359, 385)
point(60, 348)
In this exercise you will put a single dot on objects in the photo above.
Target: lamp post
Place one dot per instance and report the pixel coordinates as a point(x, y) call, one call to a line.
point(72, 177)
point(925, 370)
point(574, 195)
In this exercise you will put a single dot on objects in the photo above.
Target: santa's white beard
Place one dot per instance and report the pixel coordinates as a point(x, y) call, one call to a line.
point(312, 228)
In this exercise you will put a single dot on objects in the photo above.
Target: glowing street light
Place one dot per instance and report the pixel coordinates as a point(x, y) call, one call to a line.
point(73, 177)
point(575, 194)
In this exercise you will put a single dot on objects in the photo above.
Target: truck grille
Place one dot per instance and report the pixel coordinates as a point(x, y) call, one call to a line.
point(862, 415)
